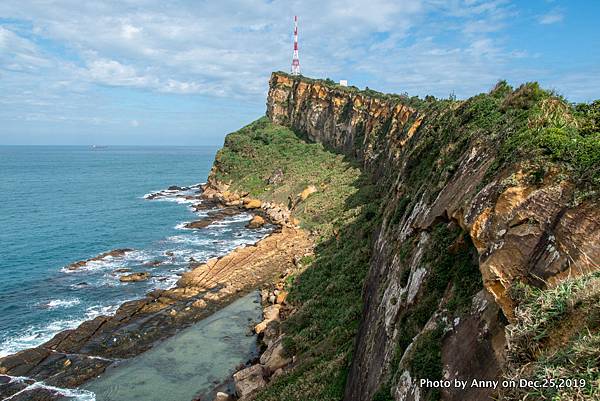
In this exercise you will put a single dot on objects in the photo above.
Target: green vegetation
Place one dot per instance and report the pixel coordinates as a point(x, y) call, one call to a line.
point(426, 360)
point(548, 138)
point(539, 130)
point(252, 154)
point(556, 336)
point(327, 295)
point(327, 82)
point(557, 132)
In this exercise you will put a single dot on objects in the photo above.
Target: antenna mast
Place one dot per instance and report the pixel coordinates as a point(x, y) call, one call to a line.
point(295, 59)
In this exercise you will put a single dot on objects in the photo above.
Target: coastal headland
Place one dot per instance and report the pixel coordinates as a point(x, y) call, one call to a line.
point(418, 241)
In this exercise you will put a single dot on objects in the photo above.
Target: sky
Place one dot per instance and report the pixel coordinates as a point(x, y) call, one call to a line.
point(160, 72)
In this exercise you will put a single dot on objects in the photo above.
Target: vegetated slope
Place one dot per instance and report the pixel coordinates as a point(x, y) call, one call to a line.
point(458, 204)
point(273, 163)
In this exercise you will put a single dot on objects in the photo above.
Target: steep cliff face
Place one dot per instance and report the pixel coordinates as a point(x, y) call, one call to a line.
point(475, 204)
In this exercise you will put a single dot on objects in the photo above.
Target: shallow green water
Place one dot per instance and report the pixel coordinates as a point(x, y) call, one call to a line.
point(192, 362)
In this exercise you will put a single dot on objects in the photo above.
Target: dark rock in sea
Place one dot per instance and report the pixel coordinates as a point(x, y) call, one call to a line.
point(115, 253)
point(213, 217)
point(38, 394)
point(10, 386)
point(141, 276)
point(256, 222)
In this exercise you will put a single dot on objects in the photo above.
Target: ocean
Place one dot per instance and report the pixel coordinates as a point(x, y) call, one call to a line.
point(59, 205)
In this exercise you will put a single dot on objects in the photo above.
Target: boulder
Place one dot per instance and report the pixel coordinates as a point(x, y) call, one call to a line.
point(256, 222)
point(220, 396)
point(248, 381)
point(276, 177)
point(271, 333)
point(274, 357)
point(200, 303)
point(311, 189)
point(281, 297)
point(252, 203)
point(270, 313)
point(134, 277)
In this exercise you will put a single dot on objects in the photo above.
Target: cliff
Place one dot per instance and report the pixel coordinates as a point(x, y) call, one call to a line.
point(480, 215)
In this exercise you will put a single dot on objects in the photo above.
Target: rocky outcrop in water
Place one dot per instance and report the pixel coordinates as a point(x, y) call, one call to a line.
point(74, 356)
point(115, 253)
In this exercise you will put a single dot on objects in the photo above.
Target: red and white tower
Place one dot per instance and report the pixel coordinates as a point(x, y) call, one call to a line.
point(295, 59)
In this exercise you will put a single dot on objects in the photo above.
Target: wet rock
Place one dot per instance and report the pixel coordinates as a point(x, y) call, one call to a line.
point(21, 363)
point(256, 222)
point(114, 253)
point(212, 217)
point(141, 276)
point(248, 381)
point(9, 387)
point(38, 394)
point(222, 397)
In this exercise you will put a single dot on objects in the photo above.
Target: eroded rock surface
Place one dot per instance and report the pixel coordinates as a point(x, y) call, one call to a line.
point(521, 230)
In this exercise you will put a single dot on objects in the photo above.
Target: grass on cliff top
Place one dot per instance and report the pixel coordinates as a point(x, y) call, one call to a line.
point(526, 128)
point(254, 153)
point(403, 98)
point(556, 336)
point(327, 295)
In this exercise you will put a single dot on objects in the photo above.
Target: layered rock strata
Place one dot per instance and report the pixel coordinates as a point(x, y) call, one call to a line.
point(521, 230)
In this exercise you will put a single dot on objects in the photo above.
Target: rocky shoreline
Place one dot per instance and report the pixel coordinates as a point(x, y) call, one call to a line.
point(75, 356)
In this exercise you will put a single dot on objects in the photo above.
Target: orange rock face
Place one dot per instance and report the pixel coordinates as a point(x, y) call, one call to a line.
point(521, 231)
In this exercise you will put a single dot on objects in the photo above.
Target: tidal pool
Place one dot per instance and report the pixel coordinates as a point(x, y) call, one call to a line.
point(191, 362)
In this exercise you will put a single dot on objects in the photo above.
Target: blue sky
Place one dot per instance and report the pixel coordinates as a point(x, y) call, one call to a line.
point(188, 72)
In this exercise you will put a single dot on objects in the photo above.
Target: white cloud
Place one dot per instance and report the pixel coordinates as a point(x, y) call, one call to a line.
point(551, 17)
point(419, 46)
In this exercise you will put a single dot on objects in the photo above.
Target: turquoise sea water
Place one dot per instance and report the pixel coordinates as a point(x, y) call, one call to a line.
point(188, 364)
point(59, 205)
